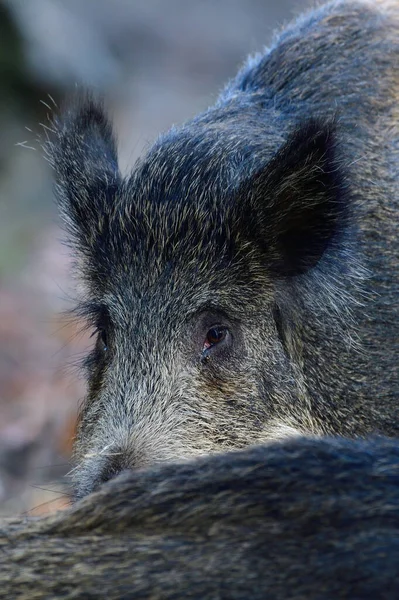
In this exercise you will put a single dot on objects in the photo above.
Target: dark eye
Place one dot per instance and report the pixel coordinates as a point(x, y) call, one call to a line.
point(103, 339)
point(214, 336)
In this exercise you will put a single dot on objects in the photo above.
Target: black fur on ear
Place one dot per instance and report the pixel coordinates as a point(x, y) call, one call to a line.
point(83, 154)
point(298, 204)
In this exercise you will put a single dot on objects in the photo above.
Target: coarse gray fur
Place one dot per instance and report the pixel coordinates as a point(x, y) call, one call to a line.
point(272, 216)
point(304, 519)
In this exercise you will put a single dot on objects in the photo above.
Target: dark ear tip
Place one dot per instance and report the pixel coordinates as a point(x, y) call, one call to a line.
point(82, 138)
point(315, 133)
point(318, 127)
point(83, 112)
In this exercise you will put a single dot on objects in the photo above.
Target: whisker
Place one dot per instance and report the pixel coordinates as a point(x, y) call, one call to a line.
point(52, 100)
point(52, 465)
point(30, 512)
point(24, 144)
point(46, 105)
point(43, 489)
point(48, 128)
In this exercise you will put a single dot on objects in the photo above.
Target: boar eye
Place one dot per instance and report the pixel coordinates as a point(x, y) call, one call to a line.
point(103, 339)
point(214, 336)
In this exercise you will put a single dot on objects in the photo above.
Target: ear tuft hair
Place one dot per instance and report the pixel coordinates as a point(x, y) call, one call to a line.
point(83, 154)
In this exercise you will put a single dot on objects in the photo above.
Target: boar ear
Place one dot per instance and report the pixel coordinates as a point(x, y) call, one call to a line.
point(83, 154)
point(298, 202)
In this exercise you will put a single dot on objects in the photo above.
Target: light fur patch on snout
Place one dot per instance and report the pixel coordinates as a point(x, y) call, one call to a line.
point(278, 430)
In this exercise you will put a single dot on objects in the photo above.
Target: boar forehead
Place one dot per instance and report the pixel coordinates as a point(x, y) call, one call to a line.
point(176, 222)
point(168, 263)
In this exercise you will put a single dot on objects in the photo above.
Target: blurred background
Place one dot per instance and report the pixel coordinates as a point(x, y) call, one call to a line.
point(157, 63)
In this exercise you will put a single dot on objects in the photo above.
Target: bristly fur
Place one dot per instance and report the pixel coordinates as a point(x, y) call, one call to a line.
point(273, 215)
point(299, 520)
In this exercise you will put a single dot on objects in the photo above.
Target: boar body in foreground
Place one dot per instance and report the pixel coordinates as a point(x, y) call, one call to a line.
point(297, 520)
point(244, 278)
